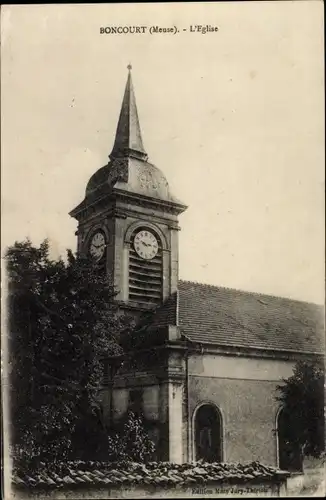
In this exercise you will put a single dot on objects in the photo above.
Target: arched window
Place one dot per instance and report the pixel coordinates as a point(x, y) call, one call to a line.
point(208, 434)
point(289, 455)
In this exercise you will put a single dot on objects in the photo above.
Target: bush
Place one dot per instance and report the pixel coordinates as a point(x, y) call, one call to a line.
point(132, 444)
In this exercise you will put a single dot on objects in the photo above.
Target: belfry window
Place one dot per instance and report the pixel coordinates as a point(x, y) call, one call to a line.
point(145, 267)
point(208, 434)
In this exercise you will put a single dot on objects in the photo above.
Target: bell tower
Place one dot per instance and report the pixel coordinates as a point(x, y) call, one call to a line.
point(128, 220)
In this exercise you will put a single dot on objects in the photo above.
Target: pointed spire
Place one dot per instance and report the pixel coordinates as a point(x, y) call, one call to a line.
point(128, 141)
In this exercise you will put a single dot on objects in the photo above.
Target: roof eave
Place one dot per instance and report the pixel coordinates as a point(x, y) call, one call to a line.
point(269, 352)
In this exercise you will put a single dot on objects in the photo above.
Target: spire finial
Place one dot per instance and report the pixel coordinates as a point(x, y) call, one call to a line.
point(129, 67)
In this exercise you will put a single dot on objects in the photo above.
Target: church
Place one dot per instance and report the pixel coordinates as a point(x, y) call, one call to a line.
point(205, 376)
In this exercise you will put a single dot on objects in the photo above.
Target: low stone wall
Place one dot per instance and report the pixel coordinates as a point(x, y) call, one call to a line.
point(311, 482)
point(212, 490)
point(155, 480)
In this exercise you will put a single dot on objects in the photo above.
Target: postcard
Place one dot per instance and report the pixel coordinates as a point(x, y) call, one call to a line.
point(163, 249)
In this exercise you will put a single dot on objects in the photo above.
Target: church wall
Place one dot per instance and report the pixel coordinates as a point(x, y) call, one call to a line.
point(152, 401)
point(240, 367)
point(244, 389)
point(149, 403)
point(120, 401)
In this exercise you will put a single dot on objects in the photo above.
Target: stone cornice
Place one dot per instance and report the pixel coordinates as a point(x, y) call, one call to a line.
point(232, 351)
point(253, 352)
point(108, 204)
point(168, 206)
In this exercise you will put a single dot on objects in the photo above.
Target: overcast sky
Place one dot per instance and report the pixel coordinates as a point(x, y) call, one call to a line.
point(233, 118)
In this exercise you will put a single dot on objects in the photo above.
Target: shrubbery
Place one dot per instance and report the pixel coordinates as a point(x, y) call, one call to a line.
point(132, 444)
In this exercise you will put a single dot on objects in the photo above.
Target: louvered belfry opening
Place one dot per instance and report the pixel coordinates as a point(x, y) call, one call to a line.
point(145, 276)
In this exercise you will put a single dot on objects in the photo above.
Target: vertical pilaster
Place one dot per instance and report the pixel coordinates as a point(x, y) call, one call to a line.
point(109, 226)
point(119, 256)
point(125, 273)
point(175, 422)
point(174, 260)
point(171, 411)
point(166, 274)
point(164, 422)
point(79, 235)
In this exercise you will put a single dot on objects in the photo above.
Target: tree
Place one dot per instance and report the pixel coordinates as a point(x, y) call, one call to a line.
point(62, 321)
point(302, 402)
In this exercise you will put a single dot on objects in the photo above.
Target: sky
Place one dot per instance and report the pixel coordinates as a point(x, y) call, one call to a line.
point(234, 119)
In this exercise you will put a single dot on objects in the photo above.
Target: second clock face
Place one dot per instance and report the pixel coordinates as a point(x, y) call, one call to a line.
point(146, 245)
point(97, 246)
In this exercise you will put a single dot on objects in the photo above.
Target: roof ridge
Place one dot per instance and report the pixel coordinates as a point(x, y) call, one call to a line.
point(249, 292)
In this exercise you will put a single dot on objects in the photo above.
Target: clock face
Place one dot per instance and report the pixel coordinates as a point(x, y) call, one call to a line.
point(146, 244)
point(97, 246)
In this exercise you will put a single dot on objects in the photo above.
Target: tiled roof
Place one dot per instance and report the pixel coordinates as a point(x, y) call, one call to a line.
point(167, 314)
point(100, 474)
point(227, 317)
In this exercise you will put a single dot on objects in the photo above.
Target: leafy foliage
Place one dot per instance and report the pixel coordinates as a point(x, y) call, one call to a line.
point(62, 321)
point(132, 444)
point(144, 344)
point(302, 400)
